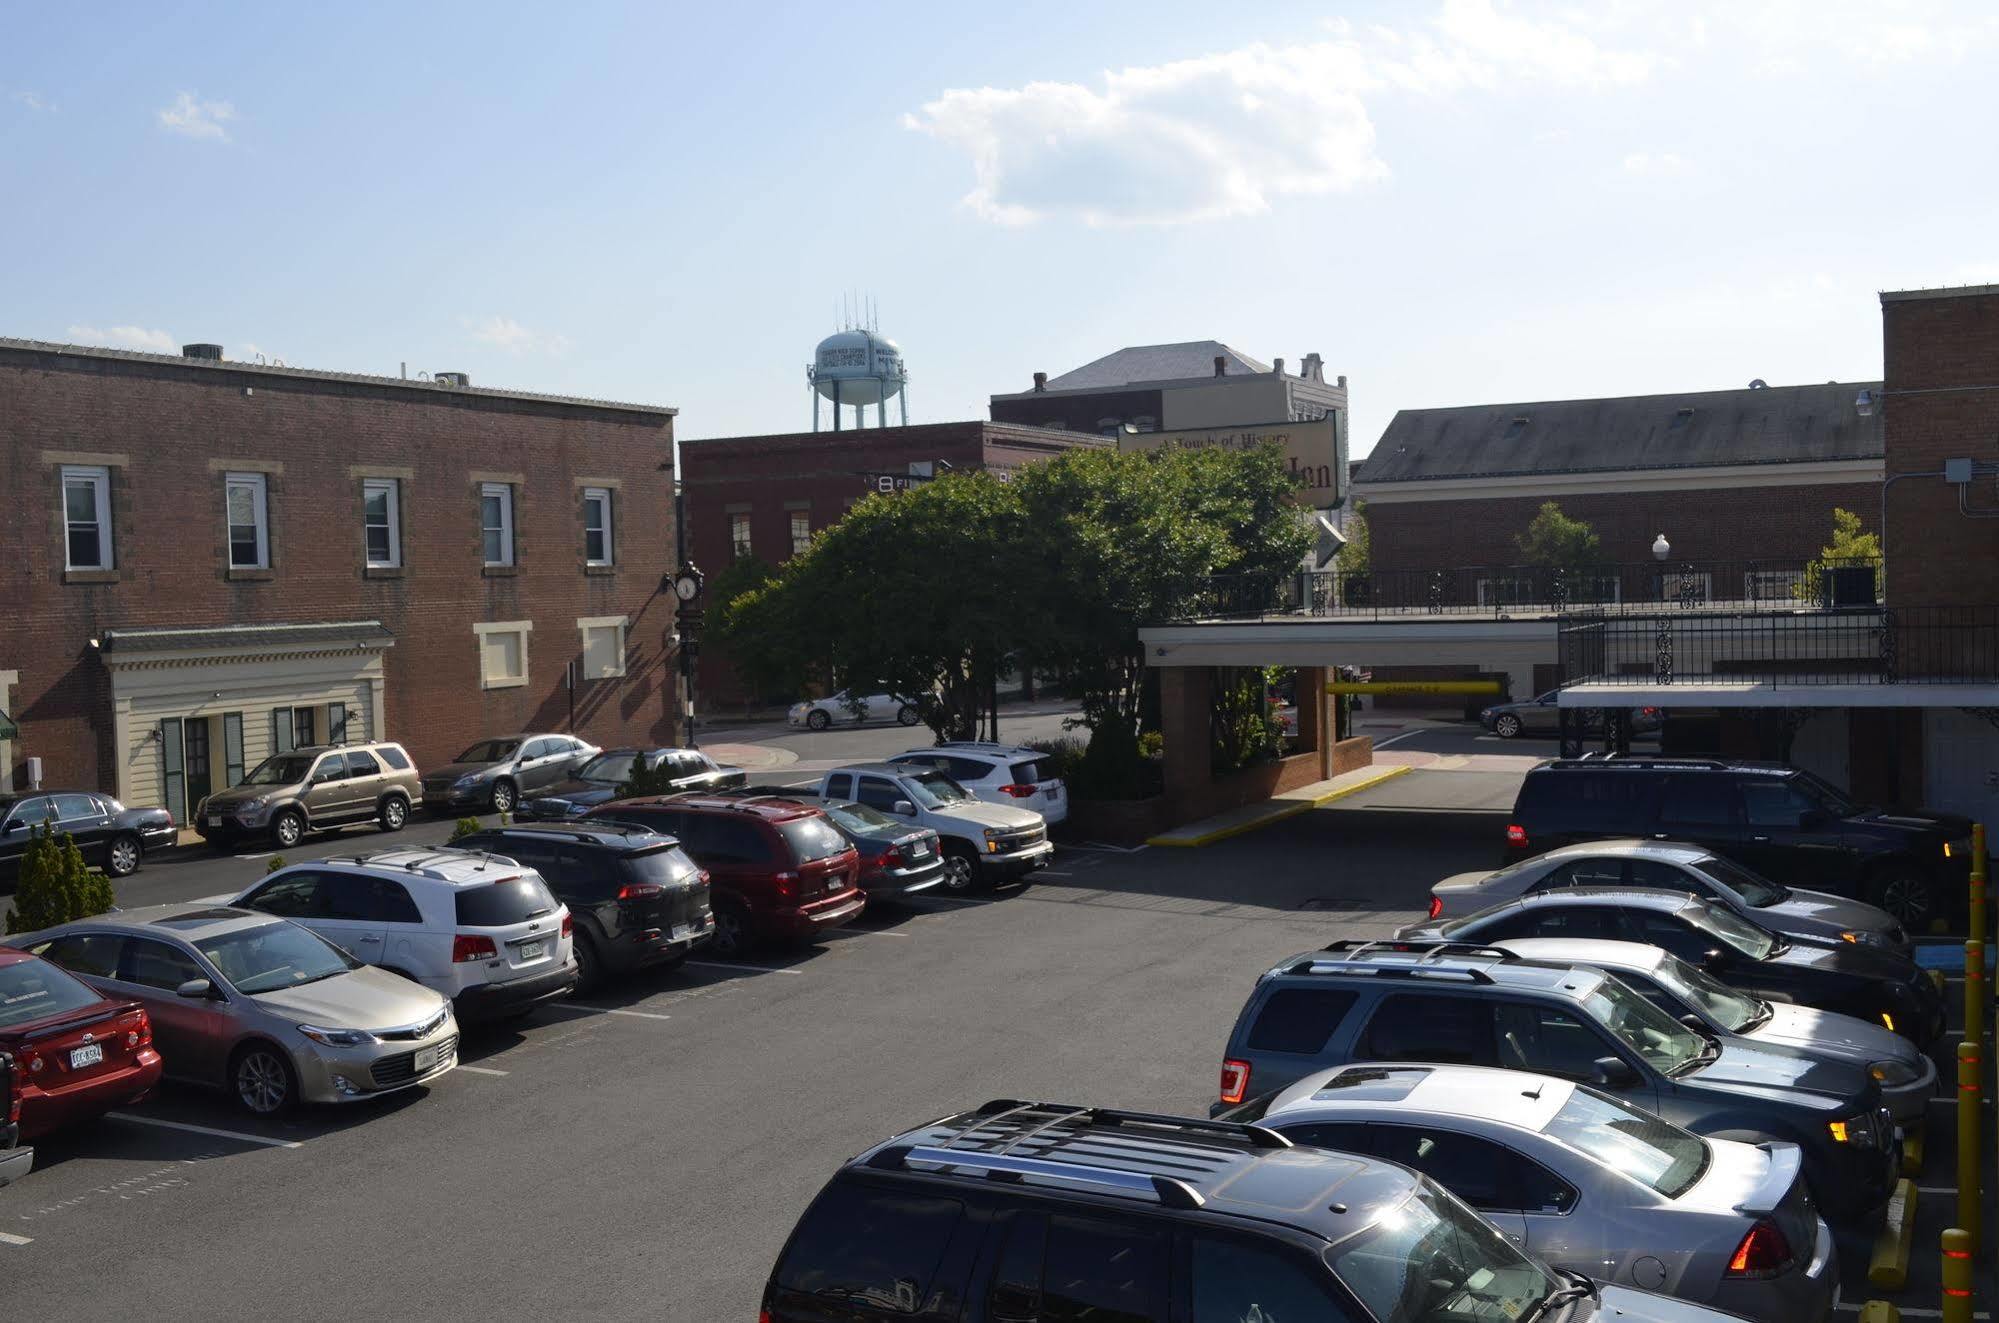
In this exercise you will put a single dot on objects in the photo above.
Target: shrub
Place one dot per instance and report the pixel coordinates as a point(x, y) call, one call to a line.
point(277, 862)
point(55, 886)
point(465, 827)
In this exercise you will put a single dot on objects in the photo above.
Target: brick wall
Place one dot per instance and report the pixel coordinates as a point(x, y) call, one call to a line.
point(172, 429)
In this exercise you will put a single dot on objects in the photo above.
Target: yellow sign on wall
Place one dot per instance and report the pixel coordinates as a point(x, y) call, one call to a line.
point(1414, 687)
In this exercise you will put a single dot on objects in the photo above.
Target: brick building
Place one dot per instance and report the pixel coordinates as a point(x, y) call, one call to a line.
point(212, 561)
point(766, 496)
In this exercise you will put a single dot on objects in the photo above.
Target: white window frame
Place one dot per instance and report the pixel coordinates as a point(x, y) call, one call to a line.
point(799, 545)
point(584, 626)
point(746, 547)
point(598, 498)
point(519, 628)
point(391, 487)
point(99, 478)
point(505, 491)
point(260, 511)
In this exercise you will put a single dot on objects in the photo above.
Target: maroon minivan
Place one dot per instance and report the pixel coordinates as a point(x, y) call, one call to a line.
point(780, 871)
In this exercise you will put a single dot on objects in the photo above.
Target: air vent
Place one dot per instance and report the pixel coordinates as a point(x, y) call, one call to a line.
point(213, 353)
point(452, 378)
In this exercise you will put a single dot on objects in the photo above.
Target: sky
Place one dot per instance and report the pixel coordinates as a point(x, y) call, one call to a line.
point(1453, 201)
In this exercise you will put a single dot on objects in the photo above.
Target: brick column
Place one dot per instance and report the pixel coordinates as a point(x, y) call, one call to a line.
point(1184, 703)
point(1314, 707)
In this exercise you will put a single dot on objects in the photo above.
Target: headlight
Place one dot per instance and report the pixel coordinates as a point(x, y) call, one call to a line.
point(469, 779)
point(337, 1037)
point(1893, 1073)
point(1946, 849)
point(1853, 1130)
point(253, 805)
point(994, 833)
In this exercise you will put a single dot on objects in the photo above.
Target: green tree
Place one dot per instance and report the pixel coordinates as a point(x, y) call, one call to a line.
point(1849, 547)
point(54, 885)
point(1555, 541)
point(752, 664)
point(1357, 556)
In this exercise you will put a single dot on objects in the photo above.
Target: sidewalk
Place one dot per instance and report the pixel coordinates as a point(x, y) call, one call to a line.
point(1250, 817)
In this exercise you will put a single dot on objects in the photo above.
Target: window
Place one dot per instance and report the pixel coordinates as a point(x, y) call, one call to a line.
point(232, 748)
point(94, 955)
point(1563, 920)
point(282, 730)
point(1771, 803)
point(1544, 1039)
point(76, 808)
point(1591, 803)
point(801, 531)
point(496, 522)
point(86, 507)
point(152, 964)
point(840, 786)
point(739, 535)
point(1340, 1136)
point(876, 792)
point(1102, 1271)
point(249, 527)
point(812, 839)
point(1299, 1020)
point(394, 757)
point(31, 990)
point(603, 646)
point(305, 732)
point(1670, 877)
point(863, 1246)
point(537, 748)
point(381, 522)
point(1631, 1142)
point(336, 723)
point(597, 525)
point(1486, 1175)
point(1698, 801)
point(1584, 873)
point(360, 764)
point(1015, 1296)
point(333, 767)
point(293, 896)
point(504, 903)
point(1457, 1030)
point(503, 654)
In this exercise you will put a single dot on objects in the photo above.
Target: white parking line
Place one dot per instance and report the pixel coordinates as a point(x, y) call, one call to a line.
point(265, 855)
point(760, 969)
point(204, 1130)
point(481, 1070)
point(606, 1010)
point(863, 932)
point(8, 1238)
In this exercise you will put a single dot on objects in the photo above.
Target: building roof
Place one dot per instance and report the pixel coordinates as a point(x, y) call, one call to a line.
point(1153, 363)
point(1943, 292)
point(429, 388)
point(343, 633)
point(1701, 429)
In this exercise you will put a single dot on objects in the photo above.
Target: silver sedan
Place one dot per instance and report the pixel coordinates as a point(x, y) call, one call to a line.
point(258, 1006)
point(1584, 1182)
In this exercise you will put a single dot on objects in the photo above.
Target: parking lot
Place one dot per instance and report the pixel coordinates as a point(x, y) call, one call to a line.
point(642, 1154)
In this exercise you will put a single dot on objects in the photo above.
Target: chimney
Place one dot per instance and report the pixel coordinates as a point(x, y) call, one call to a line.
point(1313, 368)
point(1040, 382)
point(1277, 368)
point(1343, 381)
point(451, 378)
point(212, 353)
point(1221, 366)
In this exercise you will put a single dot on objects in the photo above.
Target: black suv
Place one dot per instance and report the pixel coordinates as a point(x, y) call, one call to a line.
point(1779, 821)
point(1024, 1211)
point(636, 897)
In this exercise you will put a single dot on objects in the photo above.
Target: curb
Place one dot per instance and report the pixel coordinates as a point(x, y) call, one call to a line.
point(1888, 1266)
point(1290, 810)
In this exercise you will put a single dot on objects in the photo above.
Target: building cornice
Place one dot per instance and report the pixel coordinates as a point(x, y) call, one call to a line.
point(1805, 473)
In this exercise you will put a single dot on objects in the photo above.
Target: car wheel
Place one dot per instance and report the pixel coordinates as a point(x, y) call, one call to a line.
point(504, 796)
point(961, 868)
point(589, 966)
point(122, 859)
point(1507, 726)
point(1910, 897)
point(818, 718)
point(732, 932)
point(906, 715)
point(288, 829)
point(395, 812)
point(261, 1077)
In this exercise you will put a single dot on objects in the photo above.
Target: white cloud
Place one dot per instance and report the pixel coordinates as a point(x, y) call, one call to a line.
point(192, 117)
point(508, 334)
point(125, 337)
point(32, 100)
point(1228, 134)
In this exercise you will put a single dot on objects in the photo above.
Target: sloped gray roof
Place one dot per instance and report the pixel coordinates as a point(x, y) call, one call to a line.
point(1765, 425)
point(1136, 363)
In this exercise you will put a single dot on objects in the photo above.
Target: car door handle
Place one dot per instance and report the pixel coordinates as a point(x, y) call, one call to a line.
point(1760, 840)
point(367, 938)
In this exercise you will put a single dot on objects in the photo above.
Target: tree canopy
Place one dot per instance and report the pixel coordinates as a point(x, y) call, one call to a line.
point(1557, 542)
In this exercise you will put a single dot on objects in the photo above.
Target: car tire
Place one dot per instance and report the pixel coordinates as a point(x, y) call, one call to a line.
point(961, 868)
point(818, 719)
point(504, 797)
point(122, 856)
point(394, 813)
point(1907, 895)
point(262, 1080)
point(733, 937)
point(589, 965)
point(288, 828)
point(1506, 726)
point(906, 715)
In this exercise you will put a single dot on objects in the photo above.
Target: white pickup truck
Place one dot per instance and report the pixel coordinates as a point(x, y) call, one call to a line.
point(984, 844)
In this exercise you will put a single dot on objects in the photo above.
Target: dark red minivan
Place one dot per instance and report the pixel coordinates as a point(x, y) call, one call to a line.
point(780, 871)
point(76, 1055)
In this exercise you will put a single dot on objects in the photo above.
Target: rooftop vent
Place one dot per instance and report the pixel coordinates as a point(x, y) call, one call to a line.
point(1515, 428)
point(1040, 381)
point(1277, 367)
point(1221, 366)
point(1759, 384)
point(452, 378)
point(211, 352)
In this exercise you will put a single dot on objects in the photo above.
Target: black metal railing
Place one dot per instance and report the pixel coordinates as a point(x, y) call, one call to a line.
point(1924, 645)
point(1531, 591)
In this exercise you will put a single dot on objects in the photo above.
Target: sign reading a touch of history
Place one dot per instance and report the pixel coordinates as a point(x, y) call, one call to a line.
point(1315, 451)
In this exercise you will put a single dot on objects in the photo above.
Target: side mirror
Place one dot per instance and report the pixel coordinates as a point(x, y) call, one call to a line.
point(905, 808)
point(1694, 1022)
point(196, 989)
point(1614, 1073)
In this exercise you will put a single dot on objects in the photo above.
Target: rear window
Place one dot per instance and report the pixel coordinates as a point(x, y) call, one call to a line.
point(497, 904)
point(666, 868)
point(1299, 1020)
point(861, 1244)
point(394, 757)
point(1028, 773)
point(1641, 1146)
point(31, 989)
point(812, 838)
point(1606, 803)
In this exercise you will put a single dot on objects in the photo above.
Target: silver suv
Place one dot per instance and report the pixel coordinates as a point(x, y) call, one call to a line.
point(289, 794)
point(498, 773)
point(1009, 774)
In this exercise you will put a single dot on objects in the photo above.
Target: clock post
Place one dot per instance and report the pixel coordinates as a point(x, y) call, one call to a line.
point(687, 583)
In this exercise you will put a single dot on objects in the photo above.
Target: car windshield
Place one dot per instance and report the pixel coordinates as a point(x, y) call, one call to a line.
point(861, 820)
point(611, 769)
point(274, 956)
point(1732, 1010)
point(282, 770)
point(1830, 797)
point(1755, 891)
point(930, 788)
point(1432, 1260)
point(31, 989)
point(1733, 929)
point(1664, 1042)
point(1626, 1140)
point(489, 751)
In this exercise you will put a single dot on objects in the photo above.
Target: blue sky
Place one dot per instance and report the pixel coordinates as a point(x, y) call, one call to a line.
point(1451, 201)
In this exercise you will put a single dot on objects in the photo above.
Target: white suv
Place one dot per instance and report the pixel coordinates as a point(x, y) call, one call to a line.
point(478, 928)
point(999, 774)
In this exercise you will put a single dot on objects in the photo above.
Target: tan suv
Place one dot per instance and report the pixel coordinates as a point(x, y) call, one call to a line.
point(292, 793)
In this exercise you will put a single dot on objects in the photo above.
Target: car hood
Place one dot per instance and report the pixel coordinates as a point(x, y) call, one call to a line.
point(1846, 1036)
point(1622, 1304)
point(1819, 912)
point(1781, 1073)
point(456, 770)
point(991, 815)
point(587, 793)
point(1949, 825)
point(365, 998)
point(1832, 956)
point(244, 794)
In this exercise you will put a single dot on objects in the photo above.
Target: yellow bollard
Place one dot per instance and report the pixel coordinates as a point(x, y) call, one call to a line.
point(1957, 1301)
point(1974, 991)
point(1968, 1165)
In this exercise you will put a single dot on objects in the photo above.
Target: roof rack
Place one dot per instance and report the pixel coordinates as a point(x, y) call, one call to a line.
point(1420, 969)
point(1643, 760)
point(1169, 1191)
point(1257, 1136)
point(1431, 948)
point(970, 744)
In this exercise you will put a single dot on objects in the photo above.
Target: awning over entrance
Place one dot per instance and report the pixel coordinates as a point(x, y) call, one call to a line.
point(250, 638)
point(1775, 693)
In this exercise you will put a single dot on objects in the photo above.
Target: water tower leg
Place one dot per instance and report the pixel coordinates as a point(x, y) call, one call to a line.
point(815, 408)
point(902, 402)
point(881, 413)
point(836, 404)
point(860, 415)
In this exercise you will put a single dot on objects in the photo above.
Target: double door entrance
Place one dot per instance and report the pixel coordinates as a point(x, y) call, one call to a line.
point(189, 746)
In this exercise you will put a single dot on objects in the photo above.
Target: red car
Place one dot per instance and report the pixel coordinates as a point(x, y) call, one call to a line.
point(76, 1055)
point(779, 869)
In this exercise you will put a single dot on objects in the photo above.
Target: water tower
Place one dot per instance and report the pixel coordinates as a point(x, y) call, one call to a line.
point(858, 366)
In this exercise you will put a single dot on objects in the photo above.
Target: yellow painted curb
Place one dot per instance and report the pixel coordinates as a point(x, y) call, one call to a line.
point(1912, 1151)
point(1879, 1311)
point(1290, 810)
point(1888, 1266)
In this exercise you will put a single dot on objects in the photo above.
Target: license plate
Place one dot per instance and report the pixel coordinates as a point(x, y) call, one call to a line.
point(215, 819)
point(532, 950)
point(426, 1059)
point(87, 1055)
point(682, 931)
point(919, 851)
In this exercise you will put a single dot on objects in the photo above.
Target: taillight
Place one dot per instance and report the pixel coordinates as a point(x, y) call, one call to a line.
point(1019, 792)
point(786, 884)
point(1764, 1252)
point(1436, 907)
point(890, 858)
point(639, 890)
point(568, 923)
point(1235, 1080)
point(138, 1030)
point(468, 947)
point(32, 1062)
point(1516, 834)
